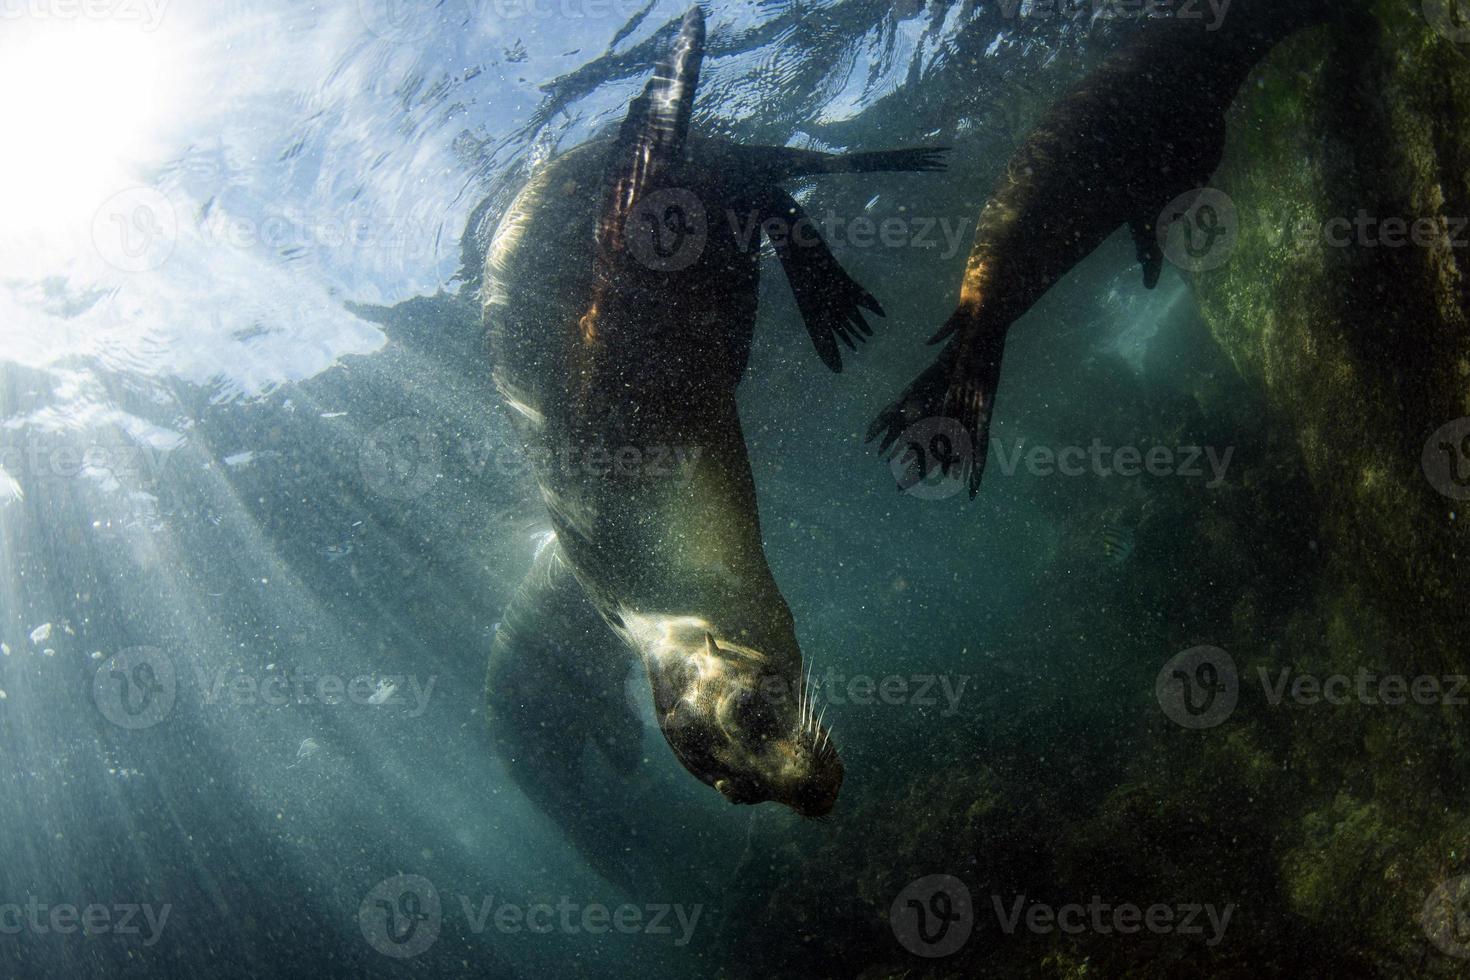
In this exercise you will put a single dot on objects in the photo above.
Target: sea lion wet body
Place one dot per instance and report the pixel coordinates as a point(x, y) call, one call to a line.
point(619, 356)
point(1141, 130)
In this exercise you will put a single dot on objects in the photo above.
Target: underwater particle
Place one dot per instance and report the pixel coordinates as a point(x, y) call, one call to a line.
point(1116, 544)
point(41, 633)
point(3, 695)
point(335, 551)
point(308, 748)
point(48, 652)
point(96, 654)
point(5, 649)
point(383, 693)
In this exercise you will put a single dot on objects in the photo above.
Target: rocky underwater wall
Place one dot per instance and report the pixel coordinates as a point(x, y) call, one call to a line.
point(1334, 354)
point(1345, 303)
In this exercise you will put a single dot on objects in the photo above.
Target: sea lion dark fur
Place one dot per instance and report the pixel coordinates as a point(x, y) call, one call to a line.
point(1145, 127)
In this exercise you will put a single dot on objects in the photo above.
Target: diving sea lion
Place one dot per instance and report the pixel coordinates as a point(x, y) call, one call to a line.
point(1145, 127)
point(620, 307)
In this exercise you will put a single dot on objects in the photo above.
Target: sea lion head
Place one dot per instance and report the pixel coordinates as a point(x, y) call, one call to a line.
point(742, 721)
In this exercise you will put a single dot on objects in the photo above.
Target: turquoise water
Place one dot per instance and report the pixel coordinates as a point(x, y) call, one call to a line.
point(261, 509)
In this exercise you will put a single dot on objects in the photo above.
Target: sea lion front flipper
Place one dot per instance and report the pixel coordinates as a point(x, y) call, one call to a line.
point(1146, 241)
point(830, 300)
point(651, 139)
point(959, 389)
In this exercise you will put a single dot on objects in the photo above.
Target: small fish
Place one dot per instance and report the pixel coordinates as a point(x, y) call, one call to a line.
point(308, 748)
point(41, 634)
point(516, 53)
point(1116, 543)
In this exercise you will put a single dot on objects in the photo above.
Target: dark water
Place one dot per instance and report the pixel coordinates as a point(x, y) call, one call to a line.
point(245, 649)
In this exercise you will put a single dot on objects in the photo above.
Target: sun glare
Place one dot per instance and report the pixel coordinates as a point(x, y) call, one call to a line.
point(85, 102)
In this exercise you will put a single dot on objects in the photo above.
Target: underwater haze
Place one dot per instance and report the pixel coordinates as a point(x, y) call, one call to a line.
point(1178, 690)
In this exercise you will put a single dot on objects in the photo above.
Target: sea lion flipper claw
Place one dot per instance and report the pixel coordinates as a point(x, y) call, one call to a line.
point(959, 387)
point(830, 300)
point(920, 159)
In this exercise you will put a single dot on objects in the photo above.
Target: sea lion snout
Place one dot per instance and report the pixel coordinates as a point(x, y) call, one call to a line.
point(748, 731)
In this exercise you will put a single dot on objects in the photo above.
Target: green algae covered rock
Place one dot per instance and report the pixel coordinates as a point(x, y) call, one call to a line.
point(1348, 161)
point(1345, 301)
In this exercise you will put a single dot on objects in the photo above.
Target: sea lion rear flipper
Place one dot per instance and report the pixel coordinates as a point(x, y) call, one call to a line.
point(1150, 256)
point(651, 139)
point(958, 388)
point(831, 301)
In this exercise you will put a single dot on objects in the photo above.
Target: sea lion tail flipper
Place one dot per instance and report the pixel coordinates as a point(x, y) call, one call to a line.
point(1150, 255)
point(652, 136)
point(830, 300)
point(959, 389)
